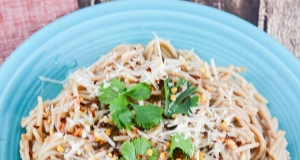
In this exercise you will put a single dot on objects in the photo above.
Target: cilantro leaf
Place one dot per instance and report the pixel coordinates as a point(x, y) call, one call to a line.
point(139, 92)
point(128, 151)
point(147, 116)
point(118, 103)
point(184, 101)
point(178, 141)
point(141, 145)
point(126, 118)
point(110, 92)
point(117, 96)
point(116, 119)
point(138, 150)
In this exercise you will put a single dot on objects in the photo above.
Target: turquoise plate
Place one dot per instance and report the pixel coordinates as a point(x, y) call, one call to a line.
point(78, 39)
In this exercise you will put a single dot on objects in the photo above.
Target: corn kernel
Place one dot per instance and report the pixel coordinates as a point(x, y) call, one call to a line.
point(173, 97)
point(173, 90)
point(60, 149)
point(150, 152)
point(108, 131)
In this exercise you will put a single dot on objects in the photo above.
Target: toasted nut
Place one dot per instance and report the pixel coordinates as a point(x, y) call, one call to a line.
point(97, 139)
point(168, 144)
point(108, 131)
point(230, 143)
point(109, 154)
point(173, 97)
point(223, 124)
point(162, 155)
point(150, 152)
point(24, 137)
point(49, 120)
point(201, 156)
point(203, 99)
point(60, 149)
point(101, 142)
point(173, 90)
point(174, 115)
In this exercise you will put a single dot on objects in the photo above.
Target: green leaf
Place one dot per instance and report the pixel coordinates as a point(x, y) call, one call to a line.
point(147, 116)
point(117, 83)
point(108, 94)
point(141, 145)
point(139, 92)
point(128, 151)
point(118, 103)
point(116, 119)
point(126, 118)
point(184, 101)
point(138, 148)
point(185, 144)
point(154, 155)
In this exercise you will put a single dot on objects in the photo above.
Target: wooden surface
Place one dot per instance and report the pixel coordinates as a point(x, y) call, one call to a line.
point(279, 18)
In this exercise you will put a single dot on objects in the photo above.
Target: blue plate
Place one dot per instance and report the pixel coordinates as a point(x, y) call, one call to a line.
point(77, 40)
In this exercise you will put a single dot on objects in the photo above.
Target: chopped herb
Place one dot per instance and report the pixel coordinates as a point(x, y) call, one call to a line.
point(147, 116)
point(117, 96)
point(179, 141)
point(185, 99)
point(139, 149)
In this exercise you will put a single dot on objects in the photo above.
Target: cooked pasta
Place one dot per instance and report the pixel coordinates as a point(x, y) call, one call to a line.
point(230, 122)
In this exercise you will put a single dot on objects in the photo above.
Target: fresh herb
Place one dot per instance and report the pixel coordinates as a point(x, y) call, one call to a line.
point(179, 141)
point(147, 116)
point(117, 96)
point(185, 99)
point(139, 149)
